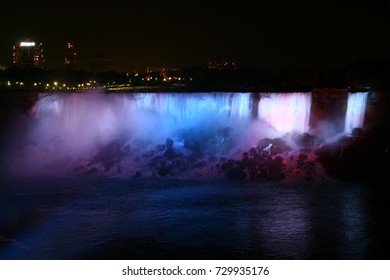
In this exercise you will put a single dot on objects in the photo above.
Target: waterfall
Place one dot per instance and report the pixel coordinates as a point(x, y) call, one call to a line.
point(356, 109)
point(81, 121)
point(286, 112)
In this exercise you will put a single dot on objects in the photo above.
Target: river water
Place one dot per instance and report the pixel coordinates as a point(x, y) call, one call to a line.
point(116, 218)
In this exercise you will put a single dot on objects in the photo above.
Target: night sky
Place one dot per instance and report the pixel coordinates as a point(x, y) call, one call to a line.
point(261, 34)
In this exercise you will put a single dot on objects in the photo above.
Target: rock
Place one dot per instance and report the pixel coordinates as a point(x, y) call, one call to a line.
point(236, 174)
point(305, 140)
point(169, 143)
point(78, 168)
point(148, 154)
point(263, 143)
point(274, 168)
point(212, 159)
point(170, 154)
point(127, 149)
point(91, 171)
point(357, 132)
point(227, 165)
point(164, 170)
point(278, 160)
point(112, 151)
point(302, 157)
point(252, 151)
point(108, 165)
point(199, 164)
point(278, 143)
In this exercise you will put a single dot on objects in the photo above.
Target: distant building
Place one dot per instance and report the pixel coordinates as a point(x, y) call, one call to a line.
point(70, 55)
point(2, 68)
point(221, 64)
point(28, 54)
point(101, 63)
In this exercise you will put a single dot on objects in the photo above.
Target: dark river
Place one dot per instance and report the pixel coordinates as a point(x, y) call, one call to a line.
point(115, 218)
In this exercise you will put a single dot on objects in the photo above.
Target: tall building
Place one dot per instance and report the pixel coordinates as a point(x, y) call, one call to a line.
point(28, 54)
point(70, 55)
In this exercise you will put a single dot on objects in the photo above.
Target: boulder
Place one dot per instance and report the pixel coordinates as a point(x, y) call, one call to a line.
point(169, 144)
point(235, 174)
point(305, 140)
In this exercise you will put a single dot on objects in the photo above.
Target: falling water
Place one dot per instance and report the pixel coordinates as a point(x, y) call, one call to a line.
point(188, 107)
point(84, 121)
point(356, 109)
point(286, 112)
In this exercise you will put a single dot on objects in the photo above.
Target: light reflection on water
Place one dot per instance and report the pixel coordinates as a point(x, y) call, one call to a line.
point(162, 219)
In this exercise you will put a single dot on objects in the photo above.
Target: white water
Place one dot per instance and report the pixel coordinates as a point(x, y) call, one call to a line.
point(286, 112)
point(356, 109)
point(84, 122)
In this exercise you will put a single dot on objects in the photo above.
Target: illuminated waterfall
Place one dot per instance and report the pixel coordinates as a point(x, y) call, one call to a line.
point(84, 120)
point(356, 109)
point(286, 112)
point(190, 106)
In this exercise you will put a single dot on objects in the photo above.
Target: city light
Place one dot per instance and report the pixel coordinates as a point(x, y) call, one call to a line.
point(27, 44)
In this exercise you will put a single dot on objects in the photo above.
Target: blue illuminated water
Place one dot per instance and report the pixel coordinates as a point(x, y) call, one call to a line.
point(106, 218)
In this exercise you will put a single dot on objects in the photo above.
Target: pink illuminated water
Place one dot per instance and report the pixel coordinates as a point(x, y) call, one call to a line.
point(82, 122)
point(356, 109)
point(286, 112)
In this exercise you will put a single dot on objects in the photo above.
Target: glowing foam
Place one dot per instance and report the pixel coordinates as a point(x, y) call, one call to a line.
point(286, 112)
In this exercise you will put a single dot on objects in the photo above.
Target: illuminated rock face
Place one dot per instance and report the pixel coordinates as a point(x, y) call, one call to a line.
point(356, 109)
point(286, 112)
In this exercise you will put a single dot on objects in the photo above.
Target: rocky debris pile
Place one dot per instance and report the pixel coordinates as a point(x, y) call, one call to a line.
point(272, 159)
point(305, 140)
point(260, 162)
point(360, 155)
point(206, 157)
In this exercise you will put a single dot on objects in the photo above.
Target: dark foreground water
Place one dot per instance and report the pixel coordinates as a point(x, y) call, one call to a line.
point(111, 218)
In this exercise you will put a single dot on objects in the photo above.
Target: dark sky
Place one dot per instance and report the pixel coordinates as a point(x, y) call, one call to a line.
point(264, 34)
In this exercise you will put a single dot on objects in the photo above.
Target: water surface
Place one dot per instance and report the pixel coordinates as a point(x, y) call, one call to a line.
point(116, 218)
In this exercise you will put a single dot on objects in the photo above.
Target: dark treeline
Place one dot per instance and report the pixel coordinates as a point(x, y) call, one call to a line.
point(373, 74)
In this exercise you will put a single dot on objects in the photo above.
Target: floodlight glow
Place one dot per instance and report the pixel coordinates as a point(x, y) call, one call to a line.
point(27, 44)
